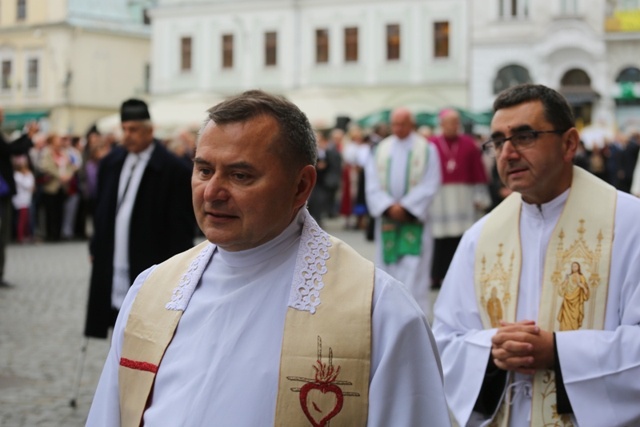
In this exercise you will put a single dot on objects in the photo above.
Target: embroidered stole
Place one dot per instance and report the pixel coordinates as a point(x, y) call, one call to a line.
point(575, 279)
point(317, 385)
point(400, 239)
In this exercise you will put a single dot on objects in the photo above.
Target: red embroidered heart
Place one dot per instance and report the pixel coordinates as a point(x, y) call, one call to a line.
point(318, 405)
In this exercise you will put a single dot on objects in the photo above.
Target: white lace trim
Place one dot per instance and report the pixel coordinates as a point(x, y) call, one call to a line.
point(310, 267)
point(182, 293)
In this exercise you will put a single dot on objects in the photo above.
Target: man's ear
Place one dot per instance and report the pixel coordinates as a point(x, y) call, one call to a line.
point(570, 144)
point(306, 180)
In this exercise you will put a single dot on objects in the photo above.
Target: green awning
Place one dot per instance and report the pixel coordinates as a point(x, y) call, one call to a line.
point(373, 119)
point(17, 120)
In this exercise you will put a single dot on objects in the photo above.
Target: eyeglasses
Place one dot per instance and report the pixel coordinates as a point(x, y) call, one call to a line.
point(520, 140)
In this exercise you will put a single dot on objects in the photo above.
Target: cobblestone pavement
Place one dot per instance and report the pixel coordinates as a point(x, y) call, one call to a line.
point(41, 324)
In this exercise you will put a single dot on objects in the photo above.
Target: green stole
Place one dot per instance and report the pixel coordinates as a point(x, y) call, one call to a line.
point(575, 279)
point(401, 238)
point(325, 360)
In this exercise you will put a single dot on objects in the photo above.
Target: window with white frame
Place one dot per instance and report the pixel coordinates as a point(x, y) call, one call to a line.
point(628, 4)
point(393, 42)
point(7, 67)
point(21, 10)
point(351, 44)
point(270, 48)
point(569, 7)
point(513, 9)
point(227, 51)
point(441, 39)
point(33, 74)
point(185, 54)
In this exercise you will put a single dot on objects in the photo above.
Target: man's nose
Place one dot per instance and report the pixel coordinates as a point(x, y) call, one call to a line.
point(216, 189)
point(509, 150)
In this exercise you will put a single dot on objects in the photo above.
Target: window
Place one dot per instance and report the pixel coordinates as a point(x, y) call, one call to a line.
point(270, 48)
point(227, 51)
point(569, 7)
point(511, 75)
point(393, 42)
point(512, 9)
point(6, 74)
point(146, 19)
point(185, 54)
point(575, 77)
point(21, 10)
point(628, 75)
point(32, 74)
point(351, 44)
point(147, 78)
point(322, 46)
point(441, 39)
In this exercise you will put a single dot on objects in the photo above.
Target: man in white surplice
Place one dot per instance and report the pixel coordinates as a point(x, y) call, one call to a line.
point(596, 371)
point(252, 176)
point(393, 197)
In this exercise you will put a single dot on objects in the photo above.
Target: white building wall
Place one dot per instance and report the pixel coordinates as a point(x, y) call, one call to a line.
point(555, 37)
point(338, 87)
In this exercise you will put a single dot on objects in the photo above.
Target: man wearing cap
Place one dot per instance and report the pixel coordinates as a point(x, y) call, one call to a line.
point(143, 215)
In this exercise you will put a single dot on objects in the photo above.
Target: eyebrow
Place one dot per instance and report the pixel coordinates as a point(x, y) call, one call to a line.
point(521, 128)
point(237, 165)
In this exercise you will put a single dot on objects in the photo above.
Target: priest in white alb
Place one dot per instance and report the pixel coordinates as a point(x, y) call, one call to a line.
point(271, 321)
point(538, 320)
point(402, 178)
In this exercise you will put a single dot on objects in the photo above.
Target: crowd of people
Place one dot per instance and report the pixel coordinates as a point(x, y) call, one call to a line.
point(56, 182)
point(531, 238)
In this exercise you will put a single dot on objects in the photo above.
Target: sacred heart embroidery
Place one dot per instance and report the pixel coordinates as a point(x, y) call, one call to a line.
point(321, 398)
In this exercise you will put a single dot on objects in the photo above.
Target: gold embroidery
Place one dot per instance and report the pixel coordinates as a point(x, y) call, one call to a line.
point(575, 278)
point(495, 286)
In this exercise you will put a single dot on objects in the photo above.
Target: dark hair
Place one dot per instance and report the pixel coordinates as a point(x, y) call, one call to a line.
point(295, 140)
point(557, 110)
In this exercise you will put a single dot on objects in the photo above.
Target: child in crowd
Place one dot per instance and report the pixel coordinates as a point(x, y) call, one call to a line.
point(25, 185)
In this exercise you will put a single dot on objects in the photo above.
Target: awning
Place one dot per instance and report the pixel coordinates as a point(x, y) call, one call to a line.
point(370, 120)
point(579, 95)
point(16, 120)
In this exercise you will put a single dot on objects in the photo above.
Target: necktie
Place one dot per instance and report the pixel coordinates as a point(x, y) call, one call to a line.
point(126, 186)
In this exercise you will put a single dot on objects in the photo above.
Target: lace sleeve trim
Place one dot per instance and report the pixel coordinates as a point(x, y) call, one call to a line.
point(310, 267)
point(182, 293)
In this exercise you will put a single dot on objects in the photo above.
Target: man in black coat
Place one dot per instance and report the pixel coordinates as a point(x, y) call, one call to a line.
point(8, 186)
point(143, 215)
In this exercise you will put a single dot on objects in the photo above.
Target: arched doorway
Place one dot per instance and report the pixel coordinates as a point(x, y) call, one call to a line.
point(509, 76)
point(575, 85)
point(627, 98)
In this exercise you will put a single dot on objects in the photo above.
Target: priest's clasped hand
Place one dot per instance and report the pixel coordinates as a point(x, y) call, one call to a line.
point(522, 347)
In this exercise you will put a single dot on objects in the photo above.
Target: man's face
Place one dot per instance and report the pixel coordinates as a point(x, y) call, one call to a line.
point(136, 135)
point(401, 124)
point(542, 171)
point(243, 194)
point(450, 124)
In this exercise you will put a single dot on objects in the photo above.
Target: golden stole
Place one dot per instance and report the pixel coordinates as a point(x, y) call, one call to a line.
point(325, 359)
point(575, 278)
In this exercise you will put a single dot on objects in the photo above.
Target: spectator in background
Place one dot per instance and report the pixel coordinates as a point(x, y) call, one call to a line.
point(25, 186)
point(328, 169)
point(59, 169)
point(379, 132)
point(72, 201)
point(8, 185)
point(94, 150)
point(143, 215)
point(629, 159)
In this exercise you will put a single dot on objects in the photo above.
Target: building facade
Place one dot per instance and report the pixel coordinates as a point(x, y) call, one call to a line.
point(583, 48)
point(334, 59)
point(70, 62)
